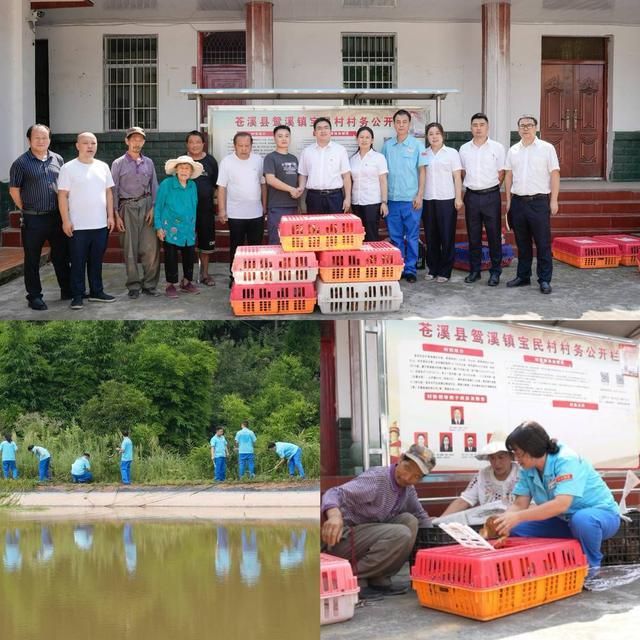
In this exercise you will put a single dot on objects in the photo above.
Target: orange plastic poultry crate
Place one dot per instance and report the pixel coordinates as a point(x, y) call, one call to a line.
point(321, 232)
point(373, 262)
point(629, 247)
point(269, 263)
point(273, 298)
point(486, 584)
point(585, 252)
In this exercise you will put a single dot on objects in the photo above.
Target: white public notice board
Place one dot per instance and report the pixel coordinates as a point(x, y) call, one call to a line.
point(451, 384)
point(224, 121)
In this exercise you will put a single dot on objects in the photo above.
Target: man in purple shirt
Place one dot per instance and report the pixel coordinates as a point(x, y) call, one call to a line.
point(374, 519)
point(134, 194)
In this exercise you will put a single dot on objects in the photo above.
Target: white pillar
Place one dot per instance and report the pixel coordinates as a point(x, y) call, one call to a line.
point(17, 72)
point(496, 72)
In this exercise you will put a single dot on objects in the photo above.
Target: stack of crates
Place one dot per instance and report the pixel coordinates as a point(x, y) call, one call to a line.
point(268, 281)
point(585, 252)
point(360, 280)
point(484, 584)
point(629, 248)
point(461, 256)
point(338, 589)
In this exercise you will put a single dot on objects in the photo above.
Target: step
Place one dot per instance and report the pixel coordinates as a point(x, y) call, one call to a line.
point(12, 262)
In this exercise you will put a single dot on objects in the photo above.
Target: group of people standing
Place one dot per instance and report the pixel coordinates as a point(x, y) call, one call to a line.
point(245, 440)
point(75, 205)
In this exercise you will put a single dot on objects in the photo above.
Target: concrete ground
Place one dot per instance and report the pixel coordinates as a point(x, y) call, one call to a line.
point(595, 294)
point(613, 614)
point(203, 503)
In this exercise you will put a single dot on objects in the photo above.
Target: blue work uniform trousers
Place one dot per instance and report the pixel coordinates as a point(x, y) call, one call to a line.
point(246, 460)
point(125, 471)
point(589, 526)
point(87, 476)
point(220, 466)
point(9, 469)
point(43, 469)
point(403, 225)
point(295, 463)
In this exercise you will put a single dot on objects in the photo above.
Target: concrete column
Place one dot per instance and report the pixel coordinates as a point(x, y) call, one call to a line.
point(17, 98)
point(259, 44)
point(496, 72)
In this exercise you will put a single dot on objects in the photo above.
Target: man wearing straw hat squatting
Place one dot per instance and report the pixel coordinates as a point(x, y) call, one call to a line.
point(373, 521)
point(493, 483)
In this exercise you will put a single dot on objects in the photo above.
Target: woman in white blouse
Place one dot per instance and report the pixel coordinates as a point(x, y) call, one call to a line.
point(443, 199)
point(369, 192)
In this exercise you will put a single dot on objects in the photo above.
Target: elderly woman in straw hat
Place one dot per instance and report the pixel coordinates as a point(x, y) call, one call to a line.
point(495, 482)
point(175, 221)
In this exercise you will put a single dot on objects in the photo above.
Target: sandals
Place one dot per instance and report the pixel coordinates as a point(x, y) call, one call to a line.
point(207, 281)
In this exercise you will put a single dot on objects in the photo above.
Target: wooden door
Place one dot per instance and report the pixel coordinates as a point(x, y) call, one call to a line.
point(572, 116)
point(588, 121)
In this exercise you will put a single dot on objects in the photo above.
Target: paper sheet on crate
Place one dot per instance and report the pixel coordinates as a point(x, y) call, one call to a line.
point(475, 515)
point(630, 482)
point(465, 535)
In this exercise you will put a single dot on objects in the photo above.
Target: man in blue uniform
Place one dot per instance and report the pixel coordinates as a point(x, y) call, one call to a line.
point(219, 452)
point(406, 179)
point(80, 469)
point(245, 439)
point(292, 453)
point(126, 457)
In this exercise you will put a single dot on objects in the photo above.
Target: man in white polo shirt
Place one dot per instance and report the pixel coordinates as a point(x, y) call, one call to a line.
point(483, 165)
point(242, 195)
point(85, 200)
point(325, 172)
point(532, 185)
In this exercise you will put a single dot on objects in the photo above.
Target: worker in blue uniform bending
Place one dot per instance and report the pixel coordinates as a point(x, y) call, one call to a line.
point(571, 499)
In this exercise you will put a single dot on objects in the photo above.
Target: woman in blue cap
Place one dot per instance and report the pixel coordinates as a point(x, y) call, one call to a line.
point(571, 499)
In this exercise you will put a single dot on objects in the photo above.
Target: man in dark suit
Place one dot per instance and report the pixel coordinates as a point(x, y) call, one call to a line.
point(470, 447)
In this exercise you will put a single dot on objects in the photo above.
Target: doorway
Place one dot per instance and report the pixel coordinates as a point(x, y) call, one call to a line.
point(222, 64)
point(573, 103)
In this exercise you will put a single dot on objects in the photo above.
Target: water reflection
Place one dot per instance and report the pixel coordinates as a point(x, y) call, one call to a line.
point(12, 558)
point(45, 552)
point(147, 579)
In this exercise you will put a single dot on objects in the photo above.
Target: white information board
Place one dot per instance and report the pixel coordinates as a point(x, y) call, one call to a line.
point(453, 383)
point(224, 121)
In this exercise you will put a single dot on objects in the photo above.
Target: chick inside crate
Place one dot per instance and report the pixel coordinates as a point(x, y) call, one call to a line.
point(486, 584)
point(624, 547)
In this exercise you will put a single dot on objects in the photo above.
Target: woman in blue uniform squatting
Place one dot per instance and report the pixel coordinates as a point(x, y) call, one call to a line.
point(571, 499)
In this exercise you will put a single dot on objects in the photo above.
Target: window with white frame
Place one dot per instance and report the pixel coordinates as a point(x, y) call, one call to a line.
point(130, 82)
point(368, 62)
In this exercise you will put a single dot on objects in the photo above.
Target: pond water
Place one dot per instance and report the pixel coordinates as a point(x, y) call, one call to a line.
point(158, 580)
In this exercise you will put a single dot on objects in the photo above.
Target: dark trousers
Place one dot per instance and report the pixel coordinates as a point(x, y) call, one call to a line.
point(439, 220)
point(244, 232)
point(171, 262)
point(36, 230)
point(87, 247)
point(318, 202)
point(484, 208)
point(370, 216)
point(531, 220)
